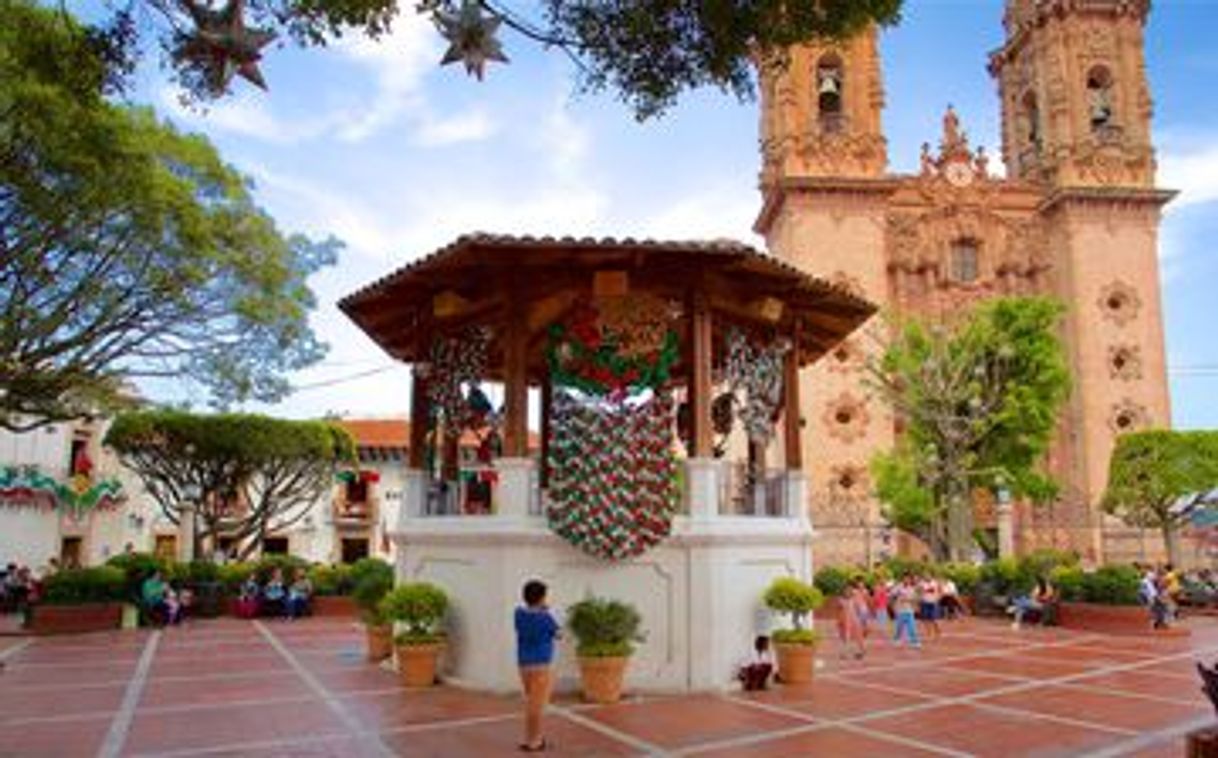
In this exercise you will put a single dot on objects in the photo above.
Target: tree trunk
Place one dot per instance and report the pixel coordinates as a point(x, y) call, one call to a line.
point(1171, 541)
point(959, 524)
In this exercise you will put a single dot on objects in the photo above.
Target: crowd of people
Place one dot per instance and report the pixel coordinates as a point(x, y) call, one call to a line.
point(277, 597)
point(18, 588)
point(905, 611)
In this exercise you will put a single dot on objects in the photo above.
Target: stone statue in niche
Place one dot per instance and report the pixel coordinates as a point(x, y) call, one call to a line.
point(1099, 101)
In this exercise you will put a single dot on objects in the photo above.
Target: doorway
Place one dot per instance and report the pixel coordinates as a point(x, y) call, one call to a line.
point(71, 552)
point(275, 546)
point(166, 547)
point(354, 549)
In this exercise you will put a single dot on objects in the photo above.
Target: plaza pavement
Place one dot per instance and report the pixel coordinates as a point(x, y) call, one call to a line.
point(269, 688)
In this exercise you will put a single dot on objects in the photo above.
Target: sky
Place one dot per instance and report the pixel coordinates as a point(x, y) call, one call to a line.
point(375, 143)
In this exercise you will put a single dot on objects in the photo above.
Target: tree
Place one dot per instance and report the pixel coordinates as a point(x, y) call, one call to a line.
point(648, 51)
point(246, 475)
point(128, 249)
point(979, 401)
point(1151, 470)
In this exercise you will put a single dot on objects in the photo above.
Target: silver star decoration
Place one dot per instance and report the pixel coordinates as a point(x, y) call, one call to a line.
point(223, 46)
point(471, 37)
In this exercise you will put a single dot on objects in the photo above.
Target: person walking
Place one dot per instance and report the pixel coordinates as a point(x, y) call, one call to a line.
point(904, 603)
point(536, 631)
point(879, 606)
point(852, 610)
point(928, 610)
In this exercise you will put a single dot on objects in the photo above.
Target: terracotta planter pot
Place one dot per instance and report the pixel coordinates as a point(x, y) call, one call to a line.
point(72, 619)
point(602, 678)
point(1113, 619)
point(380, 642)
point(417, 663)
point(796, 663)
point(333, 605)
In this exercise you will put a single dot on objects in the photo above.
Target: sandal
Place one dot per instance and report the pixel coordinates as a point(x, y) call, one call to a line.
point(539, 747)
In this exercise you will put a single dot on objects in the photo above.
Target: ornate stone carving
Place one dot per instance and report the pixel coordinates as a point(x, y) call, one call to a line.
point(846, 417)
point(1128, 416)
point(846, 358)
point(848, 480)
point(1119, 302)
point(1125, 362)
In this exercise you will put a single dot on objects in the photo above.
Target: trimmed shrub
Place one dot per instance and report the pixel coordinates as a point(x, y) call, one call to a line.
point(965, 575)
point(421, 607)
point(98, 584)
point(1112, 585)
point(371, 580)
point(232, 575)
point(604, 628)
point(831, 580)
point(288, 564)
point(787, 594)
point(1069, 582)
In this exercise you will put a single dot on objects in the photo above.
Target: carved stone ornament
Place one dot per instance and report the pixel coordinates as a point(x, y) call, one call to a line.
point(1128, 416)
point(846, 358)
point(846, 417)
point(848, 480)
point(1119, 302)
point(1125, 362)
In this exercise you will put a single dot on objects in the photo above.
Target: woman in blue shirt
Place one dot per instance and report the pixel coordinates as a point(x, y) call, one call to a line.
point(536, 631)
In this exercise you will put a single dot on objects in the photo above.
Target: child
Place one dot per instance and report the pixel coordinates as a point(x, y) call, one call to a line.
point(851, 612)
point(536, 631)
point(173, 607)
point(247, 601)
point(905, 599)
point(755, 672)
point(879, 606)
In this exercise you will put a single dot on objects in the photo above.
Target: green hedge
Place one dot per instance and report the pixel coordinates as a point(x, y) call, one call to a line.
point(98, 584)
point(832, 580)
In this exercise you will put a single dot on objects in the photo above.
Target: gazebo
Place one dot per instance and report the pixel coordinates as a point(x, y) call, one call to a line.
point(621, 346)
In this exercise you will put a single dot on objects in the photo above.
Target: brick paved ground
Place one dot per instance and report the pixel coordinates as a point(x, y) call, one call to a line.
point(229, 687)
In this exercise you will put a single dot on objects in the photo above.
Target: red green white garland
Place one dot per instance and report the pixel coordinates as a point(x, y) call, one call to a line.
point(612, 488)
point(27, 486)
point(756, 371)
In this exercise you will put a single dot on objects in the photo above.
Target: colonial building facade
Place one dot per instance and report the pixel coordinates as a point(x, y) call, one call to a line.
point(1075, 215)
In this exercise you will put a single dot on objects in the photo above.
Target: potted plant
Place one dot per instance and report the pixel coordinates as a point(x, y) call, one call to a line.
point(420, 607)
point(795, 648)
point(372, 579)
point(605, 632)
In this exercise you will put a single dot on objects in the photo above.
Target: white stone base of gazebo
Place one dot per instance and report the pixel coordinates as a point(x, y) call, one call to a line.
point(699, 592)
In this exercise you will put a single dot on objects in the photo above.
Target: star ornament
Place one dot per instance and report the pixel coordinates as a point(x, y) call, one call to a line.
point(222, 46)
point(471, 38)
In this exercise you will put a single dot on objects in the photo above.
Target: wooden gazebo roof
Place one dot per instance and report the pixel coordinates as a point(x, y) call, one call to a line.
point(479, 278)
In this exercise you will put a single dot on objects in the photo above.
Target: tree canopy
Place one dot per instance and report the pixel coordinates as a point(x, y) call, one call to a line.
point(251, 475)
point(1151, 470)
point(128, 249)
point(978, 400)
point(647, 51)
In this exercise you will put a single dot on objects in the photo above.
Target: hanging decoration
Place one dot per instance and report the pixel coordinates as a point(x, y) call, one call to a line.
point(756, 372)
point(471, 37)
point(221, 46)
point(26, 485)
point(457, 362)
point(612, 487)
point(614, 346)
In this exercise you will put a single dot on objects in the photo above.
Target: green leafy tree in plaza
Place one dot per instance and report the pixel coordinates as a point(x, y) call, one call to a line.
point(646, 51)
point(247, 476)
point(979, 401)
point(128, 250)
point(1151, 470)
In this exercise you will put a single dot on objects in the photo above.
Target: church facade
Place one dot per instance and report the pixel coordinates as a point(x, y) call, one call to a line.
point(1074, 216)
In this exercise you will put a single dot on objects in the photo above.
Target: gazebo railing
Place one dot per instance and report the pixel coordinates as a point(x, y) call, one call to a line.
point(742, 495)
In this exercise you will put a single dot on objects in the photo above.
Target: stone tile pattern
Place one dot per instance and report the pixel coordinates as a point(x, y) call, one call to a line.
point(222, 688)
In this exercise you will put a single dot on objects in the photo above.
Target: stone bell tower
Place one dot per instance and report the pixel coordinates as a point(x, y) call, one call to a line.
point(1076, 112)
point(825, 188)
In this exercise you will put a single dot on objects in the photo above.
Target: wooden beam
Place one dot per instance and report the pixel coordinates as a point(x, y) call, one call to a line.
point(699, 387)
point(792, 426)
point(420, 413)
point(516, 380)
point(547, 398)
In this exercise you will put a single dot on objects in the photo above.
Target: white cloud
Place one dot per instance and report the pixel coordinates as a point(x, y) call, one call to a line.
point(398, 63)
point(721, 212)
point(1192, 171)
point(469, 126)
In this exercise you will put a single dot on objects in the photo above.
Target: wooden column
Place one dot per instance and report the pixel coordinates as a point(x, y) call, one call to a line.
point(516, 381)
point(792, 427)
point(419, 416)
point(699, 387)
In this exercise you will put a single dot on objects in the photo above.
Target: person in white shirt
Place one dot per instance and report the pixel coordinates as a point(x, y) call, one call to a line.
point(754, 672)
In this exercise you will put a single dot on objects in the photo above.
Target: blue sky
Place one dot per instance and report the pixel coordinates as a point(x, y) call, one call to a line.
point(377, 144)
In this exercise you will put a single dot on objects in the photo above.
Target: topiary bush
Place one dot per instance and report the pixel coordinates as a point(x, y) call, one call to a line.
point(797, 599)
point(604, 628)
point(371, 579)
point(421, 607)
point(965, 575)
point(831, 580)
point(98, 584)
point(1069, 582)
point(1112, 585)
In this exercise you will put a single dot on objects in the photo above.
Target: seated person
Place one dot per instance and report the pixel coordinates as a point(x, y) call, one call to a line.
point(275, 595)
point(152, 595)
point(247, 598)
point(173, 606)
point(1042, 599)
point(299, 594)
point(754, 672)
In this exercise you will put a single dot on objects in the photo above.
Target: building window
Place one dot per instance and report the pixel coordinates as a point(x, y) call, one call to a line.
point(275, 546)
point(964, 261)
point(1099, 99)
point(829, 86)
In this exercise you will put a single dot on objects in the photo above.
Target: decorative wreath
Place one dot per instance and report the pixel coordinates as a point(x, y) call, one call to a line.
point(616, 346)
